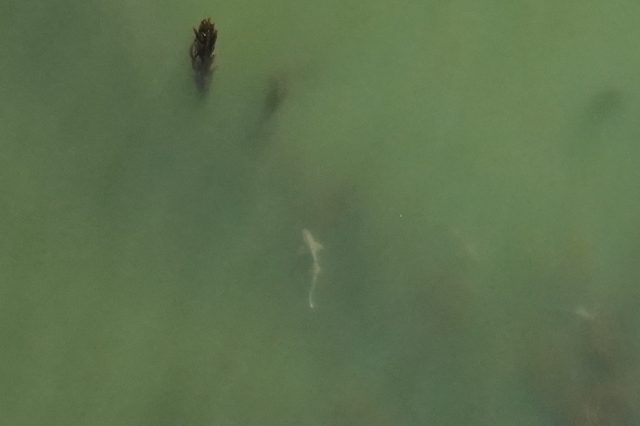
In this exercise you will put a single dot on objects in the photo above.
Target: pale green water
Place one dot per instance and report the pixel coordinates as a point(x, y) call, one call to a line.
point(471, 169)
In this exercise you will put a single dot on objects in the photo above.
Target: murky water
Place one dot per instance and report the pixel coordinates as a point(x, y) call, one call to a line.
point(469, 168)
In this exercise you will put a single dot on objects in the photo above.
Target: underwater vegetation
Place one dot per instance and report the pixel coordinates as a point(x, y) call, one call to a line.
point(586, 375)
point(276, 93)
point(202, 52)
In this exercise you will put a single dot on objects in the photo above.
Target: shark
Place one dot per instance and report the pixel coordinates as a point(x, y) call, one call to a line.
point(314, 248)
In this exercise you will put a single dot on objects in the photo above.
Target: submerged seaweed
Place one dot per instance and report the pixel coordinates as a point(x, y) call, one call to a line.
point(202, 52)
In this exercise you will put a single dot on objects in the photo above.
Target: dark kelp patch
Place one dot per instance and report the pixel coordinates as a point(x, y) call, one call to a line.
point(203, 52)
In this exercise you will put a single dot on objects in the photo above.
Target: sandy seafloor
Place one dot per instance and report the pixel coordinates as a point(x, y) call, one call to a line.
point(470, 167)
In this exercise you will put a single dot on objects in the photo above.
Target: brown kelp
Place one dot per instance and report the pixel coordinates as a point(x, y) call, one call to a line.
point(203, 52)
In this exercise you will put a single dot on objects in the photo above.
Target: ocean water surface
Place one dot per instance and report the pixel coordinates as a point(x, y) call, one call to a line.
point(456, 181)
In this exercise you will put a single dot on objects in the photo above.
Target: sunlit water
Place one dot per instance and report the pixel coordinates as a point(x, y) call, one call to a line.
point(470, 169)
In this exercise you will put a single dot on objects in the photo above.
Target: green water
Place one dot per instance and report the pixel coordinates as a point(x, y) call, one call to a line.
point(470, 167)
